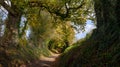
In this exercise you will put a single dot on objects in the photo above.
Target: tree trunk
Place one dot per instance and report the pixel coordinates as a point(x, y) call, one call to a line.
point(108, 29)
point(11, 30)
point(10, 37)
point(102, 49)
point(105, 51)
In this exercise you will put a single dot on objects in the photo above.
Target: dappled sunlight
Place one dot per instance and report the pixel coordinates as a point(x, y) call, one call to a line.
point(49, 61)
point(59, 33)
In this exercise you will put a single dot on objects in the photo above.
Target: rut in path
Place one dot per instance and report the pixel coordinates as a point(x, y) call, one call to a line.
point(44, 61)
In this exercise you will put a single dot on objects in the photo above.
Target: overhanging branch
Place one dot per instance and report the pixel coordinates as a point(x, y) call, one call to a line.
point(56, 11)
point(80, 6)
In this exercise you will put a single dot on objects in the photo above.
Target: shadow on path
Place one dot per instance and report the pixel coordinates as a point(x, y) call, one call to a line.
point(43, 62)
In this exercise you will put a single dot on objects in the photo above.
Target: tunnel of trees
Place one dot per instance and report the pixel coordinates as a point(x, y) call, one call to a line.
point(31, 28)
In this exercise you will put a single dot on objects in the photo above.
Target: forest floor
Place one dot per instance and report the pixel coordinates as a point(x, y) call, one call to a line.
point(44, 61)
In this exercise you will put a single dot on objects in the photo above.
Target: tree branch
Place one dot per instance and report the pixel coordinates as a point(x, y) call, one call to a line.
point(57, 11)
point(7, 7)
point(80, 6)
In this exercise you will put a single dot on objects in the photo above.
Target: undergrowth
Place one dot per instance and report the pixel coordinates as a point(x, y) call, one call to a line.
point(88, 54)
point(21, 54)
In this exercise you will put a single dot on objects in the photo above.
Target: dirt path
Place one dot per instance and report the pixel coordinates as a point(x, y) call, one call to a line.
point(44, 61)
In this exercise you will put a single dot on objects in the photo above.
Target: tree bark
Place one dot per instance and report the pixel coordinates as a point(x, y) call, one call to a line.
point(10, 37)
point(11, 30)
point(102, 48)
point(11, 24)
point(107, 22)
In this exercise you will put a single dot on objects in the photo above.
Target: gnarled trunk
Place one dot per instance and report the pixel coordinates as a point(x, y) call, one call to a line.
point(107, 23)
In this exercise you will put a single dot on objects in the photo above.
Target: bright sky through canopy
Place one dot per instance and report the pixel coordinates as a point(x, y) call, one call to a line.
point(88, 28)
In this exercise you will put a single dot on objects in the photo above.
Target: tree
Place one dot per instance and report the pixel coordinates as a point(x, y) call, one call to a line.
point(11, 24)
point(76, 11)
point(101, 49)
point(63, 9)
point(63, 37)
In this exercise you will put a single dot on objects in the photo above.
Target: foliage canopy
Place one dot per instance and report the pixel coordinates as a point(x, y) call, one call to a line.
point(30, 24)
